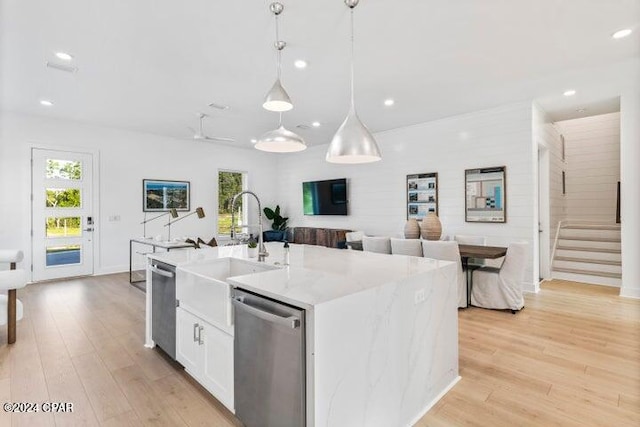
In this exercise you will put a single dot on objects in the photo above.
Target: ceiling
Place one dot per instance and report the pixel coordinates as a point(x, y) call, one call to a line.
point(151, 66)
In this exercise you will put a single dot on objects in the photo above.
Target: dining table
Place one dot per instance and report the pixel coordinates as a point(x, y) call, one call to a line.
point(478, 252)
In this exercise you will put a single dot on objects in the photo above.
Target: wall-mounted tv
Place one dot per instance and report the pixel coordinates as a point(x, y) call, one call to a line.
point(325, 197)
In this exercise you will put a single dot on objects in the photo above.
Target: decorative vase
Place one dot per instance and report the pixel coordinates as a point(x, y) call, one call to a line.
point(411, 229)
point(252, 252)
point(431, 227)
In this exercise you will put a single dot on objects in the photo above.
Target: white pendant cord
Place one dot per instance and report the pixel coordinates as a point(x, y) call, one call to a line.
point(278, 50)
point(353, 102)
point(280, 121)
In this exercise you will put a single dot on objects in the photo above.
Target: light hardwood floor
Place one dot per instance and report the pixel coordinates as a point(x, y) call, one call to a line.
point(571, 357)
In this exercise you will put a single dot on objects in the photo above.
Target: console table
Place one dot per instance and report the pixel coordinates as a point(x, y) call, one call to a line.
point(153, 244)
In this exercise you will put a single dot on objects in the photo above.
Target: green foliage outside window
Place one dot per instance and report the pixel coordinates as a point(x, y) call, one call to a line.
point(229, 184)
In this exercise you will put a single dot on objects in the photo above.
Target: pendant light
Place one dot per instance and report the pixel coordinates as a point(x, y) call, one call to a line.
point(277, 99)
point(280, 140)
point(353, 143)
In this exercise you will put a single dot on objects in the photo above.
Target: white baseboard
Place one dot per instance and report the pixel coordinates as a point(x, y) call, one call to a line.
point(111, 270)
point(530, 288)
point(435, 400)
point(630, 292)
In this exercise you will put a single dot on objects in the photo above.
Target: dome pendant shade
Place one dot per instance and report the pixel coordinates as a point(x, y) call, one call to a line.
point(280, 140)
point(353, 143)
point(277, 99)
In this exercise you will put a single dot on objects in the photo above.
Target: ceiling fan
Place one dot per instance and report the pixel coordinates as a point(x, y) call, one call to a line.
point(199, 134)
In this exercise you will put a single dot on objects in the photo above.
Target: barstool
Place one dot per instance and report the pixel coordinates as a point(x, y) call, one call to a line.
point(11, 280)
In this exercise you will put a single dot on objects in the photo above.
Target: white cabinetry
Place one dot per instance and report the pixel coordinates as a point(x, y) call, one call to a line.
point(206, 352)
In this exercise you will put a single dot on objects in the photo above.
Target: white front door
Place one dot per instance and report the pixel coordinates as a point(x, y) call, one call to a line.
point(62, 219)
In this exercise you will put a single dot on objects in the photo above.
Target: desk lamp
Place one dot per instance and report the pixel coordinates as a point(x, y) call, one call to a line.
point(198, 211)
point(173, 212)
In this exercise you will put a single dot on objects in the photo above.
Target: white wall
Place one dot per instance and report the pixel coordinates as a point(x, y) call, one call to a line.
point(552, 202)
point(125, 158)
point(377, 200)
point(592, 146)
point(630, 196)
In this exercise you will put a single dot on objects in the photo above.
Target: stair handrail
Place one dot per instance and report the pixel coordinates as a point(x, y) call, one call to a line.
point(555, 242)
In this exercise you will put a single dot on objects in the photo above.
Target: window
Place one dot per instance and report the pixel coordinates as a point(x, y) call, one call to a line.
point(229, 184)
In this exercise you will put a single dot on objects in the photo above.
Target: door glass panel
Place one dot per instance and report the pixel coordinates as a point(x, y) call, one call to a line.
point(63, 255)
point(63, 169)
point(63, 226)
point(63, 198)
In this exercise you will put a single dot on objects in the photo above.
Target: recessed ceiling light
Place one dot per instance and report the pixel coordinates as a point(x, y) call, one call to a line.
point(622, 33)
point(315, 124)
point(253, 140)
point(46, 103)
point(569, 92)
point(389, 102)
point(300, 63)
point(64, 56)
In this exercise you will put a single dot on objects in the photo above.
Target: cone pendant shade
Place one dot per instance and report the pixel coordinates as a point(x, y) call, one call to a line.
point(280, 140)
point(277, 99)
point(353, 143)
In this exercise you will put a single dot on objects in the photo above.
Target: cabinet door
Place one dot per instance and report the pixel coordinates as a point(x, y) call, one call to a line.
point(188, 351)
point(217, 366)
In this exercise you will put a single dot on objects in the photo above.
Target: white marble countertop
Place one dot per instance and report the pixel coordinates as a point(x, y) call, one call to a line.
point(316, 274)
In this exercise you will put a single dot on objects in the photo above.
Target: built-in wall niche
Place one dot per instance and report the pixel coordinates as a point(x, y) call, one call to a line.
point(422, 195)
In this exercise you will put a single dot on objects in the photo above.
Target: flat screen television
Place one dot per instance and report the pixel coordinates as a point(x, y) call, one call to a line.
point(325, 197)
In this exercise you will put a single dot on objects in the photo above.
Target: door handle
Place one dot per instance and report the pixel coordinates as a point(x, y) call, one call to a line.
point(88, 229)
point(164, 273)
point(291, 321)
point(200, 341)
point(195, 332)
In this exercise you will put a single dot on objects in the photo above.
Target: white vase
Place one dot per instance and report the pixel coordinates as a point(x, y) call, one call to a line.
point(252, 252)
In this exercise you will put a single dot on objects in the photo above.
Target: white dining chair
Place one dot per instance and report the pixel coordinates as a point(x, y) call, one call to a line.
point(464, 239)
point(501, 288)
point(411, 247)
point(381, 245)
point(354, 236)
point(354, 240)
point(11, 309)
point(448, 251)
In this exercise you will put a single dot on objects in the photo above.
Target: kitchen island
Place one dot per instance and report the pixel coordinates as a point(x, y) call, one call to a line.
point(381, 330)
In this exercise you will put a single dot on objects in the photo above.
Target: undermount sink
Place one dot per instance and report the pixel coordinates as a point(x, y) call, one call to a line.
point(203, 290)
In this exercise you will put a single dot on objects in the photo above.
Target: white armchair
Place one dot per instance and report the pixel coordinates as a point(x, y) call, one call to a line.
point(411, 247)
point(448, 251)
point(381, 245)
point(501, 288)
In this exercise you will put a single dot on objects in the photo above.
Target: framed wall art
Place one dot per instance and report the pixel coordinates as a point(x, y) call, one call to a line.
point(160, 196)
point(485, 194)
point(422, 195)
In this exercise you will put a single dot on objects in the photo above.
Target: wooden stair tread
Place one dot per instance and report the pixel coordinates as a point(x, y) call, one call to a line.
point(588, 260)
point(588, 272)
point(590, 227)
point(579, 248)
point(591, 239)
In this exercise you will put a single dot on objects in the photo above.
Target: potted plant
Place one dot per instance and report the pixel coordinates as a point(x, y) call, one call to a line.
point(252, 248)
point(278, 226)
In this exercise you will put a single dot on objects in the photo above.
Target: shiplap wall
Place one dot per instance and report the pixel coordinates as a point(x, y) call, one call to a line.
point(593, 166)
point(377, 200)
point(557, 200)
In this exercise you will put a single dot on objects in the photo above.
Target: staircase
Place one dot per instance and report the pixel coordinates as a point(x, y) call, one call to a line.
point(589, 253)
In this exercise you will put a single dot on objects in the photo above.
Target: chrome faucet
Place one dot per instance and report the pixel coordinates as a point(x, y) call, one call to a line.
point(262, 250)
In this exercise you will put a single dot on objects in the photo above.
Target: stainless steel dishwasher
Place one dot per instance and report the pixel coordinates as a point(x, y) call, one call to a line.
point(269, 362)
point(163, 306)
